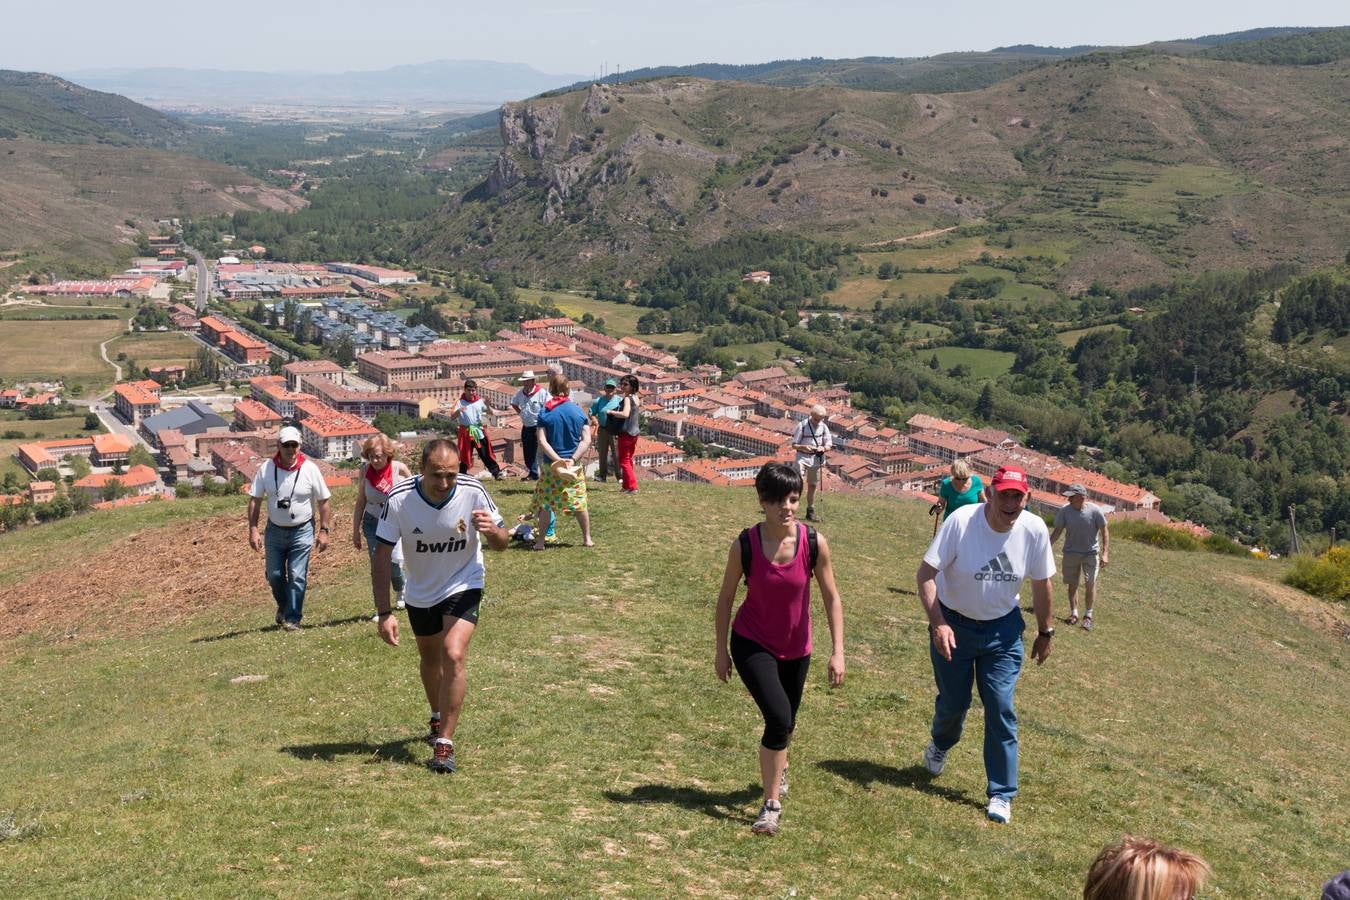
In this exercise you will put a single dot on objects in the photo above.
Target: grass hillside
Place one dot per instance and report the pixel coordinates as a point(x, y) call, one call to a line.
point(1145, 165)
point(49, 108)
point(164, 739)
point(78, 164)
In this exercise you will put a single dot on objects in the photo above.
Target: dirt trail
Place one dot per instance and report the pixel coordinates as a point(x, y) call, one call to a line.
point(912, 237)
point(158, 577)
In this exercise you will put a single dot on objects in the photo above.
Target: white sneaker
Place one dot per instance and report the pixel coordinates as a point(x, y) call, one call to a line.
point(1000, 810)
point(934, 760)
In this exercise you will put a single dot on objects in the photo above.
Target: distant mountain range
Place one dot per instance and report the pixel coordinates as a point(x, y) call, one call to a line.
point(465, 83)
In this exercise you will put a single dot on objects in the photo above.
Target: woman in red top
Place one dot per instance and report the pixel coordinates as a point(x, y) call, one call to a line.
point(770, 641)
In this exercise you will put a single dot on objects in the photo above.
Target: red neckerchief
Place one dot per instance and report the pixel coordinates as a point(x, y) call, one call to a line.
point(299, 461)
point(467, 398)
point(534, 389)
point(383, 479)
point(555, 403)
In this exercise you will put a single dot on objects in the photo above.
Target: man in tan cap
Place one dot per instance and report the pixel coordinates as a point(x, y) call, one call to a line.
point(528, 401)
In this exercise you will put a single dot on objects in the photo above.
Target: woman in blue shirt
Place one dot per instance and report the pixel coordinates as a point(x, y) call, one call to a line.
point(564, 437)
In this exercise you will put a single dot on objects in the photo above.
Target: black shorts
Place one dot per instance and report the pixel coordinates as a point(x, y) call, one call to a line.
point(431, 620)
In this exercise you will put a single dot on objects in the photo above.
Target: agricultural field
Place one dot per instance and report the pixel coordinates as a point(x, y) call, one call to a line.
point(620, 318)
point(156, 348)
point(984, 364)
point(56, 350)
point(34, 430)
point(1070, 338)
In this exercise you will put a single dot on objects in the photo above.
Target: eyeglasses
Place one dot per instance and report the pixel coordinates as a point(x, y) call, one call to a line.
point(291, 444)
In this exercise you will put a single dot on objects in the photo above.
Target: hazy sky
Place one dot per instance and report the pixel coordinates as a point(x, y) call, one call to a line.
point(582, 36)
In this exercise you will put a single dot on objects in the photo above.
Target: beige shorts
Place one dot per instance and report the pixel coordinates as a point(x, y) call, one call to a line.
point(810, 474)
point(1076, 563)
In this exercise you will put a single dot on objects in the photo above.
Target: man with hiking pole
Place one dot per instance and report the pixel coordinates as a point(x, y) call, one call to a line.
point(812, 439)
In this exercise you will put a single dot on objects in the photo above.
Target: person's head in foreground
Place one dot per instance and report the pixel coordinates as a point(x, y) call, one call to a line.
point(1142, 869)
point(779, 487)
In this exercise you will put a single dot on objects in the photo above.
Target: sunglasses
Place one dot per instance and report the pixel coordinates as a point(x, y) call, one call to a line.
point(291, 444)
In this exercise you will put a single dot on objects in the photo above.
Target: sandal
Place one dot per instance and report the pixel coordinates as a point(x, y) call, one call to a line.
point(1087, 622)
point(1072, 619)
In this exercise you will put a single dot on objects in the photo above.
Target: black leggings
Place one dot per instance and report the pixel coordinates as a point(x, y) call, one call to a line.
point(776, 684)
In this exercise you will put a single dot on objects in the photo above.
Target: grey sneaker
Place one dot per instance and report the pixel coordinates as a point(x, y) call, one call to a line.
point(934, 760)
point(443, 756)
point(767, 823)
point(783, 785)
point(291, 626)
point(1000, 810)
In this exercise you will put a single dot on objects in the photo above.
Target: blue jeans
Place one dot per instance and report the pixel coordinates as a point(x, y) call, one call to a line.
point(989, 655)
point(529, 444)
point(288, 552)
point(368, 523)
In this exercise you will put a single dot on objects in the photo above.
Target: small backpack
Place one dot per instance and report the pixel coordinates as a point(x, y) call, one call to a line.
point(812, 543)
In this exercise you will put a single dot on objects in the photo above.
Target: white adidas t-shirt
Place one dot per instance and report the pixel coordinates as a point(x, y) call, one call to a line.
point(981, 570)
point(442, 552)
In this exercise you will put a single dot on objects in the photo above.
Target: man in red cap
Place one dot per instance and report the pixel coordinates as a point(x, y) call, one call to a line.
point(968, 583)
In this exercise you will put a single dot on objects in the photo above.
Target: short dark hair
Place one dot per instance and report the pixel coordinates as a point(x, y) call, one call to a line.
point(775, 480)
point(631, 381)
point(430, 448)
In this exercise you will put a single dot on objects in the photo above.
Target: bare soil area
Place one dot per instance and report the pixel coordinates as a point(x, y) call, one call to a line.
point(154, 578)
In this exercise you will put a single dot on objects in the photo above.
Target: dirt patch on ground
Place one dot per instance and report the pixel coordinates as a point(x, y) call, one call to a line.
point(153, 579)
point(1319, 614)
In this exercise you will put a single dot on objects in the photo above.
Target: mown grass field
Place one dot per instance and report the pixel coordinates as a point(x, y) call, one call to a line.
point(983, 363)
point(34, 430)
point(600, 757)
point(156, 348)
point(55, 349)
point(1070, 339)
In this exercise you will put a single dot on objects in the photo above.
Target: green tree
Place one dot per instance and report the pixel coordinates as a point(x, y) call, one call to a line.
point(984, 407)
point(91, 422)
point(140, 456)
point(79, 466)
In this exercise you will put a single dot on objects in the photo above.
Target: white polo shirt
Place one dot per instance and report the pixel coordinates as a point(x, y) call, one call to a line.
point(442, 551)
point(817, 437)
point(980, 570)
point(303, 487)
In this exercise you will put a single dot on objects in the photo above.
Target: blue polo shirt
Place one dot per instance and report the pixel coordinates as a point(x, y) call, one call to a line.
point(562, 426)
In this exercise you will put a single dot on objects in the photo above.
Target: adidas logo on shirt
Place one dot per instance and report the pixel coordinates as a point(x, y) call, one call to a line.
point(417, 531)
point(1000, 568)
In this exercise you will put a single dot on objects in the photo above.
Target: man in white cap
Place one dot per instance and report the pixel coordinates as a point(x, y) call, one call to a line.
point(528, 401)
point(295, 490)
point(1084, 522)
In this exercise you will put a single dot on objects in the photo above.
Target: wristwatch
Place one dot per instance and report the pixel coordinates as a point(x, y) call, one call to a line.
point(1049, 632)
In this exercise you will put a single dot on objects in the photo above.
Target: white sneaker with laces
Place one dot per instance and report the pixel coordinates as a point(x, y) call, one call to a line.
point(934, 760)
point(1000, 810)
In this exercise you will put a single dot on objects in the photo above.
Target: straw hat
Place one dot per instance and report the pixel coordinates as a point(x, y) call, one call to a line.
point(567, 472)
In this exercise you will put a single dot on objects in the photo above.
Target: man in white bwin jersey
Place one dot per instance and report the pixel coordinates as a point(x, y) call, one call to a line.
point(443, 518)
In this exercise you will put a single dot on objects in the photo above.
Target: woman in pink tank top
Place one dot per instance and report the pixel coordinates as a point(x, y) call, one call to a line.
point(770, 639)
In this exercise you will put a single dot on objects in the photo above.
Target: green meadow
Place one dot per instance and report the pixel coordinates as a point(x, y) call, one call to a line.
point(162, 738)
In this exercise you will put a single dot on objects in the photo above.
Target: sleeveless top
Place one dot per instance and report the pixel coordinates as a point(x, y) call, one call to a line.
point(776, 613)
point(375, 499)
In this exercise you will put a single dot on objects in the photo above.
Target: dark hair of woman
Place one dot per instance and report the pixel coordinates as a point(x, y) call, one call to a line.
point(776, 480)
